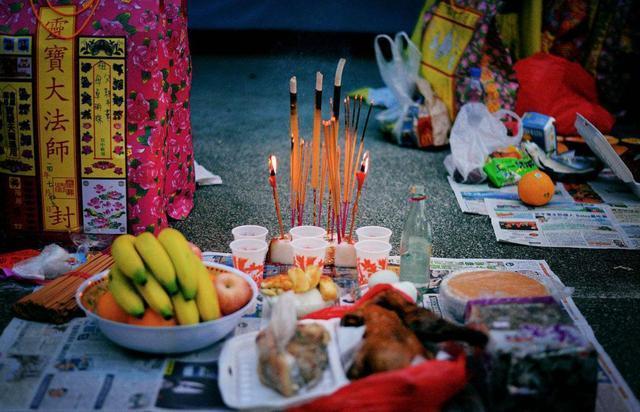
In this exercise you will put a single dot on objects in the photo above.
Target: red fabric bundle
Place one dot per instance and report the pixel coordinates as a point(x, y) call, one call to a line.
point(424, 387)
point(559, 88)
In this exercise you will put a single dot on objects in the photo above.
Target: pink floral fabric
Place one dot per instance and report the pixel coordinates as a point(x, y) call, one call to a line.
point(161, 179)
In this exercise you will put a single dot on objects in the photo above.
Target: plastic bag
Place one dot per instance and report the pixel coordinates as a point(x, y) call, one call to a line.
point(475, 134)
point(53, 261)
point(418, 117)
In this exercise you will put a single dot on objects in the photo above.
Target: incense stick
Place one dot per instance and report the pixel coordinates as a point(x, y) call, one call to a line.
point(360, 177)
point(317, 118)
point(337, 84)
point(293, 120)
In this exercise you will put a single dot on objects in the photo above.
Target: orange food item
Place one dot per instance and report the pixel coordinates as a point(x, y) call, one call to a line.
point(562, 148)
point(107, 308)
point(620, 149)
point(536, 188)
point(493, 283)
point(151, 318)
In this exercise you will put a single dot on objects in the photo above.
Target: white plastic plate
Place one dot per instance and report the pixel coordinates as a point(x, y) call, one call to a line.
point(601, 147)
point(241, 387)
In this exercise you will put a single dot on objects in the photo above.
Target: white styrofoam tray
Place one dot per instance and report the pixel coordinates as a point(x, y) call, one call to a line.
point(241, 387)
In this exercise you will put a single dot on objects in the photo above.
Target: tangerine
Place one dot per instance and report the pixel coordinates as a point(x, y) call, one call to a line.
point(536, 188)
point(151, 318)
point(108, 308)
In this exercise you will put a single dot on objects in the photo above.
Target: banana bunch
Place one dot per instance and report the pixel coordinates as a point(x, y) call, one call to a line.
point(164, 274)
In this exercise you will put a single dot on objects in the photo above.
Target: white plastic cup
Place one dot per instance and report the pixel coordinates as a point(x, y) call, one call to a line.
point(299, 232)
point(371, 256)
point(309, 251)
point(248, 257)
point(374, 233)
point(250, 232)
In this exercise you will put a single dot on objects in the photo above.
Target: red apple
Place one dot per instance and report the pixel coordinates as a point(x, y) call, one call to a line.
point(196, 250)
point(233, 292)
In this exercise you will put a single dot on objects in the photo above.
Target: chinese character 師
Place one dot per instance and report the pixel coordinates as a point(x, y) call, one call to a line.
point(57, 148)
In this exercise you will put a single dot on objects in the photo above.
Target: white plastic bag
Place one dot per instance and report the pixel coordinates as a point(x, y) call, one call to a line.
point(415, 103)
point(52, 262)
point(475, 134)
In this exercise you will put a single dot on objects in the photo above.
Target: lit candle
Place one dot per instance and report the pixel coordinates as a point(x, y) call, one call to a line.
point(273, 168)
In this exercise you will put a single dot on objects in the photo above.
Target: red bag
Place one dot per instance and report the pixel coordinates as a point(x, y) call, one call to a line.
point(559, 88)
point(423, 387)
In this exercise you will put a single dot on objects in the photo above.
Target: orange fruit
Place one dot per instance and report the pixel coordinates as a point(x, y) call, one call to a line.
point(536, 188)
point(108, 308)
point(151, 318)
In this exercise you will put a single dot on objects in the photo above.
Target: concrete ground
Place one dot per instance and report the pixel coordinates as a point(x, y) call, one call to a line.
point(240, 116)
point(240, 112)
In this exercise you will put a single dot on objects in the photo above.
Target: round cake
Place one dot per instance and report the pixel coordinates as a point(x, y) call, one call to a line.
point(459, 288)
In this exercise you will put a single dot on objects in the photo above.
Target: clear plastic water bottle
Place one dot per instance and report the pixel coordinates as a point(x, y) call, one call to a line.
point(415, 245)
point(474, 91)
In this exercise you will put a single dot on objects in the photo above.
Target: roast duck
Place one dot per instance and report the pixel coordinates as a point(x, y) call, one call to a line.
point(398, 331)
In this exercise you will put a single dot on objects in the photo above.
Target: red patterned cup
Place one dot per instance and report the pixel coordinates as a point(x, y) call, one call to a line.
point(248, 257)
point(309, 251)
point(371, 256)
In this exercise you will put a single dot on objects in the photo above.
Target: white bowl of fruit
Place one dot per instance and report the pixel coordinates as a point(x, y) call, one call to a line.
point(159, 297)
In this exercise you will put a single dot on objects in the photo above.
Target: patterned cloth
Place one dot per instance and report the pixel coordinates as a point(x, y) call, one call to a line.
point(456, 36)
point(160, 178)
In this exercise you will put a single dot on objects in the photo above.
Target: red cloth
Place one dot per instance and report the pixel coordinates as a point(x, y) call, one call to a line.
point(423, 387)
point(559, 88)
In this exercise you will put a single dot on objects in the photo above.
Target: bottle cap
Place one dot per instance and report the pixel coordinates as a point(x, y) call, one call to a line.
point(417, 192)
point(475, 72)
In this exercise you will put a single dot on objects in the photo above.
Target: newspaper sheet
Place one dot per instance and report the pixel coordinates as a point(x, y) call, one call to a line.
point(572, 225)
point(471, 197)
point(74, 367)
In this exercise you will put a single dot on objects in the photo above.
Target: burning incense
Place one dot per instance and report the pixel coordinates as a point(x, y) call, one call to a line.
point(315, 165)
point(337, 85)
point(360, 177)
point(273, 168)
point(293, 120)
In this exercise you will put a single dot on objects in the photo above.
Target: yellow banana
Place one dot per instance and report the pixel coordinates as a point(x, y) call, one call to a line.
point(181, 255)
point(186, 310)
point(123, 292)
point(156, 297)
point(157, 260)
point(207, 297)
point(128, 260)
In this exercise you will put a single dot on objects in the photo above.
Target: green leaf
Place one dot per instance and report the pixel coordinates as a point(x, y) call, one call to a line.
point(130, 29)
point(170, 62)
point(144, 139)
point(146, 76)
point(140, 192)
point(4, 28)
point(146, 41)
point(22, 32)
point(135, 163)
point(123, 18)
point(132, 127)
point(153, 105)
point(133, 95)
point(16, 7)
point(96, 25)
point(165, 73)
